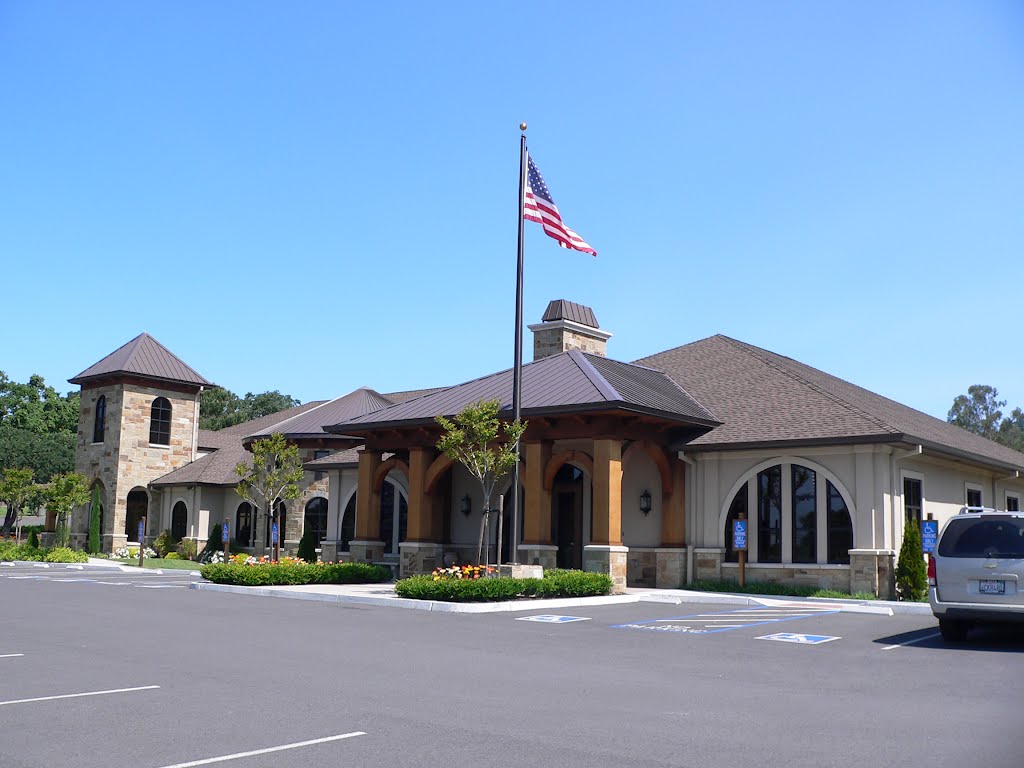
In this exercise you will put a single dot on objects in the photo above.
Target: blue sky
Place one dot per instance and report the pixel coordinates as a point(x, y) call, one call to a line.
point(317, 196)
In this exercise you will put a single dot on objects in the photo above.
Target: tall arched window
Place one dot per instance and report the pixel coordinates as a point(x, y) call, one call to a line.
point(347, 530)
point(100, 420)
point(160, 422)
point(840, 527)
point(179, 521)
point(243, 524)
point(316, 518)
point(739, 504)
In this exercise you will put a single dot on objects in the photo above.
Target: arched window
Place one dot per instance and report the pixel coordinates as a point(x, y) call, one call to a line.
point(243, 524)
point(347, 530)
point(100, 420)
point(389, 516)
point(739, 504)
point(160, 422)
point(815, 520)
point(179, 521)
point(316, 518)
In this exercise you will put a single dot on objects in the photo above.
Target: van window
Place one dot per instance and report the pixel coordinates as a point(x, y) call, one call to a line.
point(983, 538)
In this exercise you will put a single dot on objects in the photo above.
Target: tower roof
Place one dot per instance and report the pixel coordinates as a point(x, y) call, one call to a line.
point(560, 309)
point(145, 357)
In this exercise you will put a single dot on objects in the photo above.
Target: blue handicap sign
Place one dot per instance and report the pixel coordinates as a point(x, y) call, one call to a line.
point(801, 639)
point(224, 532)
point(273, 534)
point(552, 619)
point(739, 534)
point(929, 535)
point(142, 530)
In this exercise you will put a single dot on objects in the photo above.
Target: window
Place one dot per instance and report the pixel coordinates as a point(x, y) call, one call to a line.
point(243, 524)
point(319, 455)
point(769, 515)
point(100, 420)
point(1012, 502)
point(160, 422)
point(347, 529)
point(912, 507)
point(739, 505)
point(179, 521)
point(316, 518)
point(972, 493)
point(811, 515)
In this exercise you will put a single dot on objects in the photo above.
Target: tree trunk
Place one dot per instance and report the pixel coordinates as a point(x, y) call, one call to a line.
point(480, 544)
point(501, 513)
point(9, 519)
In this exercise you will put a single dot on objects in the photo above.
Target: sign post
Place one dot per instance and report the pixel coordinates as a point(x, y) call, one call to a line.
point(142, 540)
point(929, 534)
point(274, 549)
point(739, 543)
point(224, 539)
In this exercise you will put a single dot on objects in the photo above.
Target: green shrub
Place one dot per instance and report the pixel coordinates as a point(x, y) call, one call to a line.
point(10, 551)
point(65, 555)
point(911, 572)
point(33, 538)
point(187, 549)
point(307, 546)
point(93, 545)
point(165, 543)
point(556, 583)
point(172, 556)
point(276, 574)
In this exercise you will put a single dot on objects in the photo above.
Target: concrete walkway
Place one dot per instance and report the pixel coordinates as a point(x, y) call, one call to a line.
point(384, 595)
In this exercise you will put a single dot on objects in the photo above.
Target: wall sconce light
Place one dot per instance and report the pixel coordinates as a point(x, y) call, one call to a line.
point(467, 505)
point(645, 503)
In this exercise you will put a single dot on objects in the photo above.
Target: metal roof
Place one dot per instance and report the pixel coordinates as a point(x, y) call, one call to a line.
point(570, 381)
point(146, 357)
point(361, 401)
point(560, 309)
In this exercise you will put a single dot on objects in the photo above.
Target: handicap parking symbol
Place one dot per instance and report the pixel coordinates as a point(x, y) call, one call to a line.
point(547, 618)
point(794, 637)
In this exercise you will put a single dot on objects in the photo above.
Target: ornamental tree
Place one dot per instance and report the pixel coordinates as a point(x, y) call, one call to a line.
point(64, 493)
point(486, 446)
point(16, 492)
point(274, 474)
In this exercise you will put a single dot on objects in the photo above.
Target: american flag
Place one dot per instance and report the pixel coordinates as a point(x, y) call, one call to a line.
point(538, 206)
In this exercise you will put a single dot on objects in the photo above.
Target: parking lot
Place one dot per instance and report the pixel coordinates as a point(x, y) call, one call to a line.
point(98, 669)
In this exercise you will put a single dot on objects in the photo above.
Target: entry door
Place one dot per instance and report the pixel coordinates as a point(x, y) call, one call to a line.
point(568, 521)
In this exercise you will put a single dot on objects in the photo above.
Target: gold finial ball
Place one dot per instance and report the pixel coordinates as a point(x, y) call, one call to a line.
point(522, 126)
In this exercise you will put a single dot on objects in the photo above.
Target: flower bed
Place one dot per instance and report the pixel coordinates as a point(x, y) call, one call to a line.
point(293, 571)
point(11, 552)
point(474, 589)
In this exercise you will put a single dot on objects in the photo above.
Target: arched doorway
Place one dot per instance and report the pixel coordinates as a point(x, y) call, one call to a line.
point(567, 511)
point(394, 516)
point(347, 528)
point(243, 524)
point(282, 519)
point(179, 521)
point(135, 509)
point(315, 518)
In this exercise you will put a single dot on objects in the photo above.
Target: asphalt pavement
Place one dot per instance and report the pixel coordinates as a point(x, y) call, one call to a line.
point(96, 674)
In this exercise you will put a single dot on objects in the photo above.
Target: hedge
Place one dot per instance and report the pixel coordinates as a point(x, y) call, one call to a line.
point(25, 552)
point(556, 583)
point(275, 574)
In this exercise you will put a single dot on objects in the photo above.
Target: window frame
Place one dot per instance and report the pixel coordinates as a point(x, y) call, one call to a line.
point(157, 420)
point(905, 475)
point(1007, 495)
point(99, 421)
point(979, 489)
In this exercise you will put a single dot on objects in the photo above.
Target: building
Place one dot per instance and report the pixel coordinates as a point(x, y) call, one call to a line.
point(636, 469)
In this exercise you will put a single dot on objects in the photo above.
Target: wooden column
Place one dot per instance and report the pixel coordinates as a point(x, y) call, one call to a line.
point(673, 509)
point(607, 496)
point(421, 517)
point(367, 500)
point(537, 506)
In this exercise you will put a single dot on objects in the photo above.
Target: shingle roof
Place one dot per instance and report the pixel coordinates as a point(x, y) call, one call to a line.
point(312, 422)
point(570, 381)
point(560, 309)
point(762, 397)
point(146, 357)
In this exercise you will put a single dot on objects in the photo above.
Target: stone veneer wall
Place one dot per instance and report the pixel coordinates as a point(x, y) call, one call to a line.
point(642, 567)
point(823, 577)
point(126, 460)
point(554, 341)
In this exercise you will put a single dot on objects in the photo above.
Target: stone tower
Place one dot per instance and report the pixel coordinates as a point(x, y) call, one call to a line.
point(567, 325)
point(139, 419)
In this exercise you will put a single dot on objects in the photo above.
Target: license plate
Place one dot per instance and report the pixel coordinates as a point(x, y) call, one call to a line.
point(991, 587)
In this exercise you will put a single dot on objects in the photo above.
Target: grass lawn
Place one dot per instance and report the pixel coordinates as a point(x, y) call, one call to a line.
point(156, 562)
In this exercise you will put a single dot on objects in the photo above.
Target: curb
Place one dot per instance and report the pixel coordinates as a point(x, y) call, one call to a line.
point(421, 605)
point(875, 607)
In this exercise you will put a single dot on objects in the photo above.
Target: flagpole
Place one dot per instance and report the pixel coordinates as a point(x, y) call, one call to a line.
point(517, 370)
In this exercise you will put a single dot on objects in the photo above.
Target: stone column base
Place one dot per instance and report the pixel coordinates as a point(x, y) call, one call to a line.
point(873, 571)
point(328, 551)
point(419, 557)
point(366, 551)
point(610, 559)
point(707, 563)
point(671, 562)
point(521, 571)
point(544, 555)
point(46, 539)
point(111, 541)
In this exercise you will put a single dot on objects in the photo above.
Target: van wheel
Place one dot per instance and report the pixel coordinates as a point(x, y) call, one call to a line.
point(953, 631)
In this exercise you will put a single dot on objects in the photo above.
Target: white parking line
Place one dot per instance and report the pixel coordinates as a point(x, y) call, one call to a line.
point(911, 642)
point(77, 695)
point(268, 750)
point(10, 655)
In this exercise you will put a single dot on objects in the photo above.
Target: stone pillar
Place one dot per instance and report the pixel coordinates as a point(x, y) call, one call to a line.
point(545, 555)
point(537, 504)
point(610, 559)
point(366, 551)
point(873, 571)
point(673, 509)
point(607, 498)
point(421, 525)
point(367, 498)
point(419, 557)
point(671, 567)
point(707, 563)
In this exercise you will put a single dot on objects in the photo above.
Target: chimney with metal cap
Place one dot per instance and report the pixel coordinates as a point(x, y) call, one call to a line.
point(567, 325)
